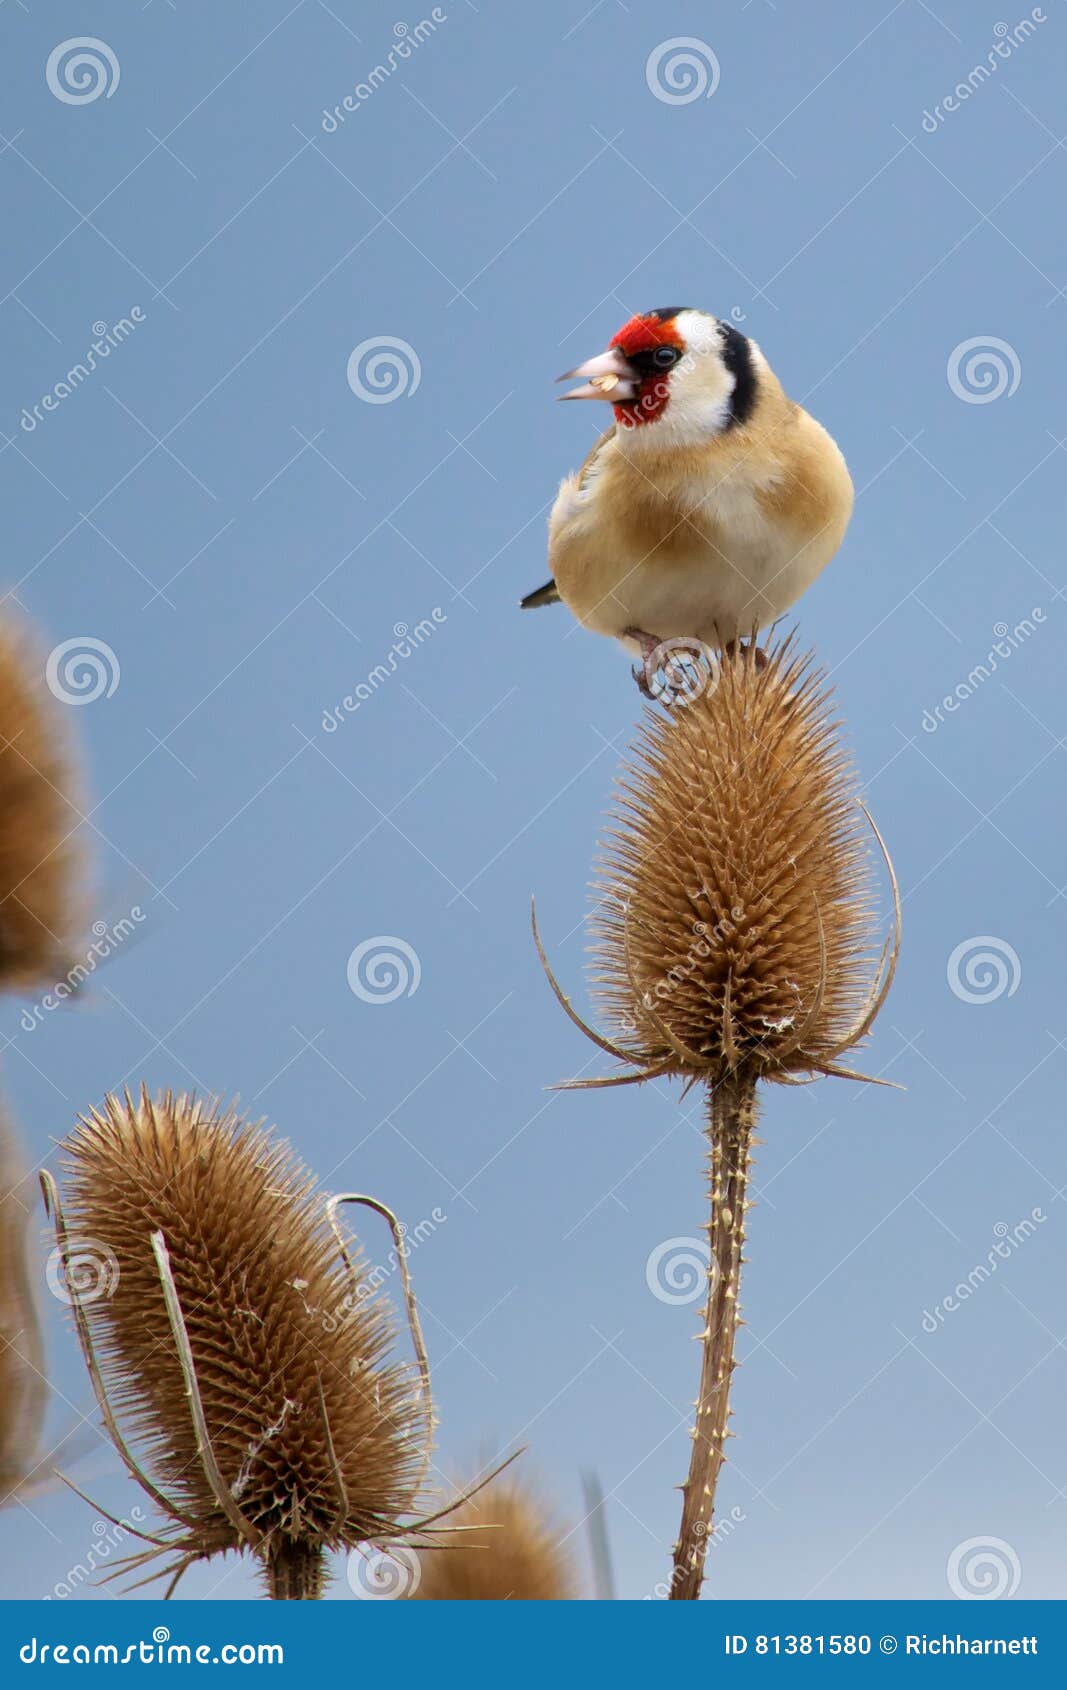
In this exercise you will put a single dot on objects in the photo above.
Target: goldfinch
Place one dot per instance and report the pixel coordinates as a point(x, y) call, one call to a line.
point(707, 509)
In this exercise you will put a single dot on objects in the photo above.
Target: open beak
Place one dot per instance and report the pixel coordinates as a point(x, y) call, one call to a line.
point(610, 376)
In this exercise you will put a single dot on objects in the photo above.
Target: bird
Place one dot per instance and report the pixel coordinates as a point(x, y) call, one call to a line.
point(708, 508)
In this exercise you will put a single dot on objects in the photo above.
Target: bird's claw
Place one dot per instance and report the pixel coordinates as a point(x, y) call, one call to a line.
point(644, 683)
point(670, 677)
point(671, 671)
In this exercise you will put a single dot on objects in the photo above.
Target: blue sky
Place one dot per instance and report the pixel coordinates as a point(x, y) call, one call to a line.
point(220, 508)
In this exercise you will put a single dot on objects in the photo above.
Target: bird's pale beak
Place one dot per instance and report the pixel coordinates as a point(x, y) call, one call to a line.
point(610, 376)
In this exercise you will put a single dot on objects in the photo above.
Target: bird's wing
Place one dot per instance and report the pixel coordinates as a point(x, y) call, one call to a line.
point(588, 467)
point(549, 593)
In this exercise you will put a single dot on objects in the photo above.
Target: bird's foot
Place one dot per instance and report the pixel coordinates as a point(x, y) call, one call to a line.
point(642, 674)
point(671, 670)
point(643, 684)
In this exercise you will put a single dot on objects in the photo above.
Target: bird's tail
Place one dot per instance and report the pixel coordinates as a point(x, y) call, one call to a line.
point(548, 594)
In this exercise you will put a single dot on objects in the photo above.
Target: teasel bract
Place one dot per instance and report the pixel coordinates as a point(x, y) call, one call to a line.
point(505, 1548)
point(240, 1361)
point(734, 942)
point(40, 895)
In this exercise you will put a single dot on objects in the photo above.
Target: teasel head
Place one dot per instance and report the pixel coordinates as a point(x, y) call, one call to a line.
point(242, 1367)
point(41, 898)
point(734, 927)
point(734, 941)
point(23, 1383)
point(505, 1547)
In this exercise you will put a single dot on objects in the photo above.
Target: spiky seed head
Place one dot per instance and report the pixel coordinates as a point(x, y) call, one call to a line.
point(734, 929)
point(316, 1434)
point(508, 1550)
point(23, 1386)
point(40, 894)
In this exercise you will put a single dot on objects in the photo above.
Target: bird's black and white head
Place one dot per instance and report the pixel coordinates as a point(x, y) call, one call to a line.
point(674, 375)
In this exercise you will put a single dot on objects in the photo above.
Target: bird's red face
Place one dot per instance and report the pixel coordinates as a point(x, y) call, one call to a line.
point(634, 374)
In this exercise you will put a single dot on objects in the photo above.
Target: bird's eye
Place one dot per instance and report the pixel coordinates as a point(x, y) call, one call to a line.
point(665, 356)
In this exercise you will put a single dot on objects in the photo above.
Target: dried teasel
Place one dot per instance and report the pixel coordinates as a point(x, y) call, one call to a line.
point(23, 1384)
point(734, 925)
point(505, 1548)
point(40, 898)
point(239, 1361)
point(734, 939)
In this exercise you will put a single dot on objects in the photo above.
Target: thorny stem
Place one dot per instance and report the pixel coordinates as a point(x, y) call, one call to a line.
point(732, 1112)
point(296, 1571)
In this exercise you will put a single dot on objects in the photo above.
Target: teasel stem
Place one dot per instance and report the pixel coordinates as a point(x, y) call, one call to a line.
point(296, 1572)
point(731, 1125)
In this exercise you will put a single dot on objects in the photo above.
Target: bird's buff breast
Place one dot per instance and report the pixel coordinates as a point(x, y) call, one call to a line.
point(710, 563)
